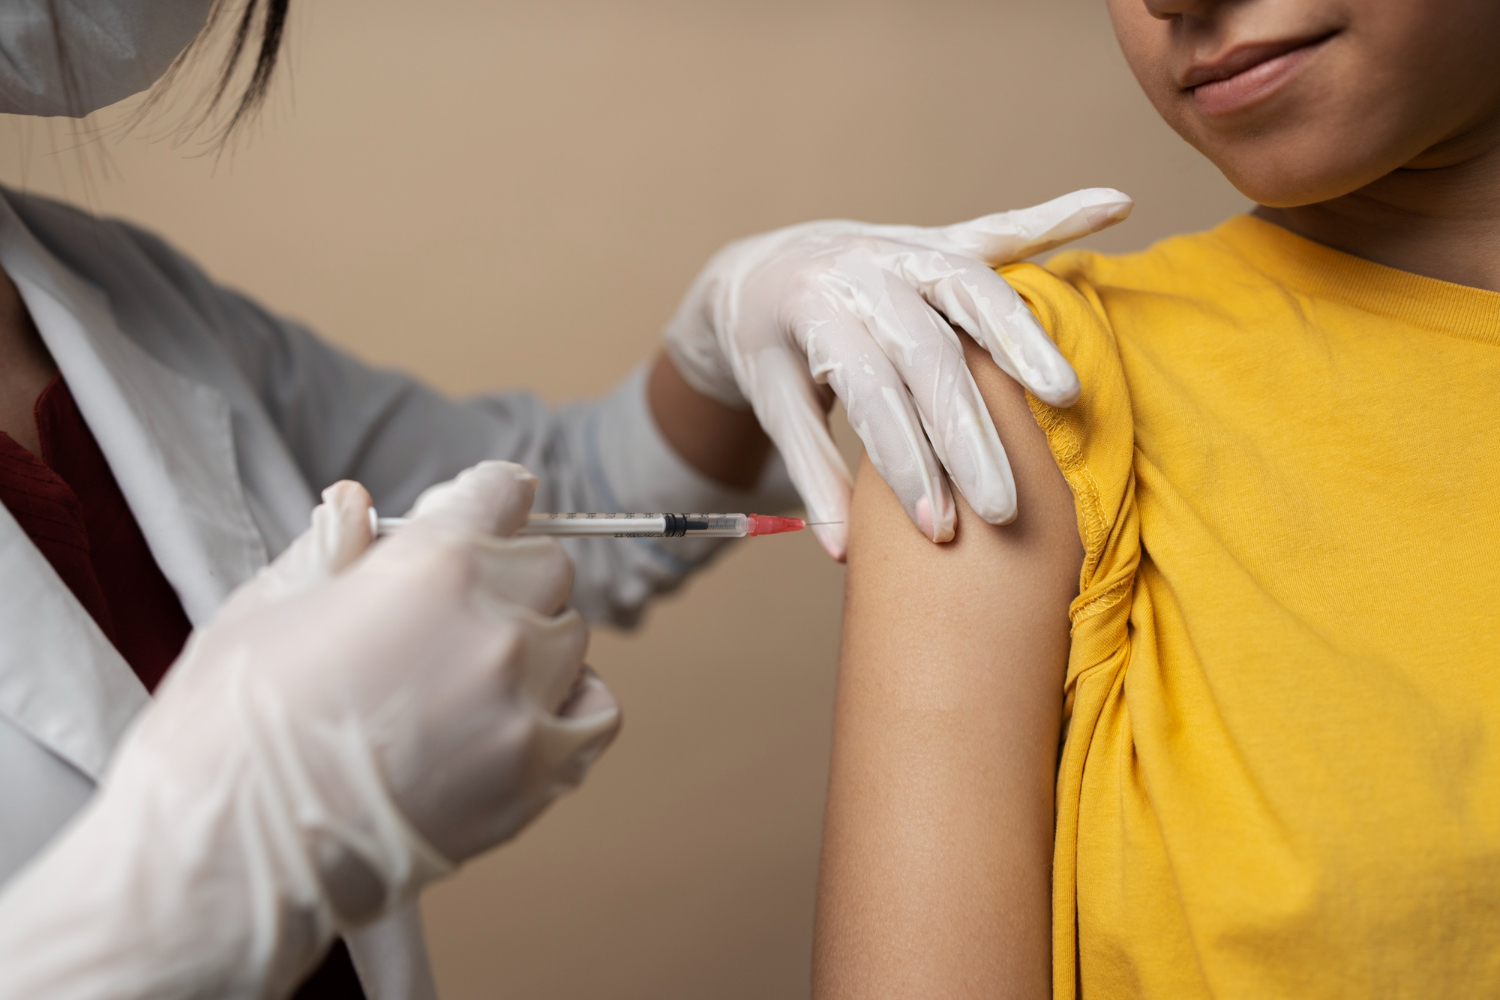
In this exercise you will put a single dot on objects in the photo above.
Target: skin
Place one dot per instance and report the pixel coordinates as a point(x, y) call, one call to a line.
point(25, 368)
point(724, 444)
point(1385, 142)
point(1382, 140)
point(937, 842)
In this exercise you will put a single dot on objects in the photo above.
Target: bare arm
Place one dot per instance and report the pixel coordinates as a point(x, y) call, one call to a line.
point(937, 845)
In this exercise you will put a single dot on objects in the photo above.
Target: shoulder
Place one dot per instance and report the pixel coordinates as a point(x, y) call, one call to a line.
point(1082, 285)
point(125, 260)
point(78, 236)
point(891, 562)
point(160, 297)
point(1118, 319)
point(1128, 324)
point(1092, 441)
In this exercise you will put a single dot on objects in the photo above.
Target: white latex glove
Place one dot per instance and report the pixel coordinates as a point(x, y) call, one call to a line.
point(349, 726)
point(870, 311)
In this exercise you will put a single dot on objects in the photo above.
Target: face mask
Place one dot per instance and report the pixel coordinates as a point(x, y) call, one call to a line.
point(115, 48)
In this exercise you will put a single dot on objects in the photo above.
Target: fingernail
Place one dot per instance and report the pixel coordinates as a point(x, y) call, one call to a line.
point(1001, 515)
point(519, 473)
point(947, 521)
point(1108, 215)
point(344, 495)
point(1067, 390)
point(333, 494)
point(1049, 376)
point(924, 516)
point(942, 532)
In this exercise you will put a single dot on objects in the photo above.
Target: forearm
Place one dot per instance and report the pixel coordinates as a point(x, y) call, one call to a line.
point(723, 443)
point(937, 848)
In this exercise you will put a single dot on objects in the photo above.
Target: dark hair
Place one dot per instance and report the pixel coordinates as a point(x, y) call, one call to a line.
point(261, 26)
point(272, 31)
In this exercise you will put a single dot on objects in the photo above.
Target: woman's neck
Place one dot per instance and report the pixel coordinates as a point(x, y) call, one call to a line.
point(25, 368)
point(1438, 216)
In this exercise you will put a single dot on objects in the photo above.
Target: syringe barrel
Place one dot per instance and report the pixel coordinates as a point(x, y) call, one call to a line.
point(716, 525)
point(620, 525)
point(639, 525)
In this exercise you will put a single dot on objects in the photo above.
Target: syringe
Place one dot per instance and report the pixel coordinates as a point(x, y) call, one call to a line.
point(639, 525)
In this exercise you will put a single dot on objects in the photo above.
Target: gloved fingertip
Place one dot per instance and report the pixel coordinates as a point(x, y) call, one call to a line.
point(493, 471)
point(490, 498)
point(1101, 197)
point(347, 492)
point(518, 472)
point(1062, 390)
point(1042, 369)
point(834, 538)
point(590, 697)
point(1003, 512)
point(1105, 216)
point(348, 502)
point(938, 528)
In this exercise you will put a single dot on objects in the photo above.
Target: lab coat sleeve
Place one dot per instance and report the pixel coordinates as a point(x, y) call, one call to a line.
point(158, 889)
point(113, 48)
point(343, 419)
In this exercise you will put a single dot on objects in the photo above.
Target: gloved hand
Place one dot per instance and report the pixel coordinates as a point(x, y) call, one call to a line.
point(470, 685)
point(349, 726)
point(870, 311)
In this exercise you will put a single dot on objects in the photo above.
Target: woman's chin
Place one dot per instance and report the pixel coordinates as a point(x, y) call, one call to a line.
point(1291, 185)
point(1305, 165)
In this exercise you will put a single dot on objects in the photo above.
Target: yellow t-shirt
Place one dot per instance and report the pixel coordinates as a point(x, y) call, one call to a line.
point(1281, 773)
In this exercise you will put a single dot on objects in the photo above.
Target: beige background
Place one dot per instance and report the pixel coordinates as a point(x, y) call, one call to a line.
point(497, 193)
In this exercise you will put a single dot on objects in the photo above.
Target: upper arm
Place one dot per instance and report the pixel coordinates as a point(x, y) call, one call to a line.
point(937, 849)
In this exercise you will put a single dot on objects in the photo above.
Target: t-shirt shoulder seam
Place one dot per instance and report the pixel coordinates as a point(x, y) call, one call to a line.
point(1094, 527)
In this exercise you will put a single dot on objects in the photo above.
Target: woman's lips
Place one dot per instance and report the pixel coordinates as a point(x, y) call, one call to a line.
point(1248, 75)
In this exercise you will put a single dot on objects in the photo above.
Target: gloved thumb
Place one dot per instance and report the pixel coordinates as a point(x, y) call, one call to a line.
point(339, 534)
point(491, 498)
point(1011, 236)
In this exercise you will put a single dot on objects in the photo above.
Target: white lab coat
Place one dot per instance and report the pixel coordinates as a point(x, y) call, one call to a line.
point(221, 423)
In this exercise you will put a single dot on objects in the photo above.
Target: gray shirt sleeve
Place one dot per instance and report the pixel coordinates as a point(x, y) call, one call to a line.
point(113, 48)
point(343, 419)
